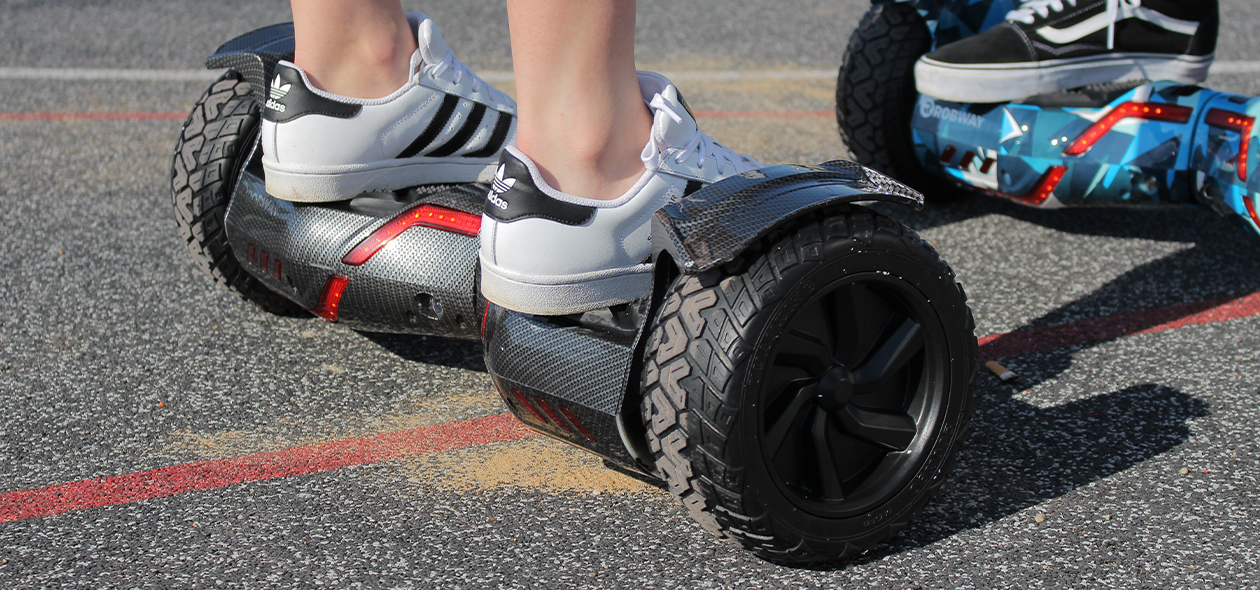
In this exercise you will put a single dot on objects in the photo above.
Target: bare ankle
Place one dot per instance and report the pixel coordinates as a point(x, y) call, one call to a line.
point(601, 165)
point(363, 64)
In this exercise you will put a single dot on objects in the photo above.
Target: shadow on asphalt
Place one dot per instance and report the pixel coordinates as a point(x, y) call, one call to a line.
point(1019, 455)
point(432, 350)
point(1166, 224)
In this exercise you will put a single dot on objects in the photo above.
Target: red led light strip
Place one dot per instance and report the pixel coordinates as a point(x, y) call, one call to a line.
point(423, 215)
point(1141, 110)
point(330, 299)
point(569, 414)
point(546, 407)
point(1250, 202)
point(1044, 188)
point(525, 402)
point(1240, 124)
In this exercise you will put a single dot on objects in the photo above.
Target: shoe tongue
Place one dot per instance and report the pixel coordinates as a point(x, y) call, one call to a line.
point(432, 46)
point(668, 131)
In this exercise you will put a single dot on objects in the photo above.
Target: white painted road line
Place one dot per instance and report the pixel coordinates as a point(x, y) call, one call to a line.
point(107, 74)
point(492, 76)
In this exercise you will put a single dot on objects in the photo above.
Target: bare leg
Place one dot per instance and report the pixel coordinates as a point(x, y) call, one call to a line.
point(357, 48)
point(582, 117)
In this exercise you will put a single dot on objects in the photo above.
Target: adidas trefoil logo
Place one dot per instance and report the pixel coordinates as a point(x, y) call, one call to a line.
point(499, 186)
point(277, 92)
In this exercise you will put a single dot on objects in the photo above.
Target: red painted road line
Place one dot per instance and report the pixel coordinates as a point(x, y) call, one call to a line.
point(91, 116)
point(178, 479)
point(1094, 330)
point(204, 475)
point(68, 116)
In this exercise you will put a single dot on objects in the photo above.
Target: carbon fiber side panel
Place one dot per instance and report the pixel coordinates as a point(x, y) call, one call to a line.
point(567, 376)
point(422, 282)
point(714, 224)
point(255, 55)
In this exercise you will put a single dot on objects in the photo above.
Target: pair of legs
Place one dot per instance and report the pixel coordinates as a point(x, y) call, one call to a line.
point(581, 116)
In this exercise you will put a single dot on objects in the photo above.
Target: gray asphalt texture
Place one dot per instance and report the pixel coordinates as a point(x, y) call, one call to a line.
point(102, 317)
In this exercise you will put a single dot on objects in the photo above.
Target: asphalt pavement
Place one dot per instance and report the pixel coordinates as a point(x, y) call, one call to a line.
point(1128, 460)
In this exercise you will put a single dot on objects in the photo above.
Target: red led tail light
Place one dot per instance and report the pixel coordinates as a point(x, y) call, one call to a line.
point(1240, 124)
point(329, 305)
point(947, 156)
point(423, 215)
point(1153, 111)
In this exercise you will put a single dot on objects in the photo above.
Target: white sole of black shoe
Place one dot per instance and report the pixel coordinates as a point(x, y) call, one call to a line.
point(1014, 81)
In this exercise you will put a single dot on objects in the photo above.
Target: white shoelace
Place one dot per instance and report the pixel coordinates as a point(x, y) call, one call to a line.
point(458, 70)
point(1034, 8)
point(705, 146)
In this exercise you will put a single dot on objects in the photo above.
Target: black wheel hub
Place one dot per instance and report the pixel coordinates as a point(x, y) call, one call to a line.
point(847, 397)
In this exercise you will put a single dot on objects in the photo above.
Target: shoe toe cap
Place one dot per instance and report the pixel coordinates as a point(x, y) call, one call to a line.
point(1002, 44)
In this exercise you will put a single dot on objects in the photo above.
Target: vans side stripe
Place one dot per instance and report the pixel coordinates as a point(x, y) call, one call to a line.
point(435, 127)
point(461, 137)
point(497, 138)
point(1077, 31)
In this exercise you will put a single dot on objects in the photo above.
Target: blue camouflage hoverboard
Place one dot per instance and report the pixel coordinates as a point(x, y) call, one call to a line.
point(1133, 144)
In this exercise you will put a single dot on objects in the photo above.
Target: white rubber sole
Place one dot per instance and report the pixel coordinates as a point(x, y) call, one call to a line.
point(327, 184)
point(563, 295)
point(1008, 82)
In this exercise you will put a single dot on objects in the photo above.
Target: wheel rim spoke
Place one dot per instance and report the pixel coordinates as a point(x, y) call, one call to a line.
point(825, 467)
point(790, 419)
point(892, 431)
point(904, 340)
point(845, 322)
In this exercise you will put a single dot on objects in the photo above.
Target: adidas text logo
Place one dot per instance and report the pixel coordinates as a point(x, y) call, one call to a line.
point(499, 186)
point(277, 91)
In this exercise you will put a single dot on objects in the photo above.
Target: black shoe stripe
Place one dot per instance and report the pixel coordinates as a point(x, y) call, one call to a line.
point(692, 186)
point(497, 138)
point(435, 127)
point(461, 137)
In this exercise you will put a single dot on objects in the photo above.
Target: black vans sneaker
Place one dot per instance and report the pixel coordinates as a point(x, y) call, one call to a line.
point(1050, 45)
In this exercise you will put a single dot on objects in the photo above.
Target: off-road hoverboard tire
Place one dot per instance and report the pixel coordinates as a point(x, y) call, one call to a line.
point(223, 124)
point(876, 95)
point(808, 400)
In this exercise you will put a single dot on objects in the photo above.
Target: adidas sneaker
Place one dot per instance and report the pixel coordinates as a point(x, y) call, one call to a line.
point(547, 252)
point(1050, 45)
point(444, 125)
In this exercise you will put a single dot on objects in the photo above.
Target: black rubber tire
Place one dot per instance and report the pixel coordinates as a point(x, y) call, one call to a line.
point(875, 97)
point(724, 356)
point(222, 126)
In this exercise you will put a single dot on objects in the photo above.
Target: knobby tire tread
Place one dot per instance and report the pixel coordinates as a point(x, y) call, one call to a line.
point(876, 96)
point(697, 340)
point(207, 155)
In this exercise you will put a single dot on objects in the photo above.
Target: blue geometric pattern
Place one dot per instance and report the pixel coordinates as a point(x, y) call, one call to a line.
point(1190, 152)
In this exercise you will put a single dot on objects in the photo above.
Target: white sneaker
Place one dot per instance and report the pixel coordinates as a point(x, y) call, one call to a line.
point(444, 125)
point(551, 253)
